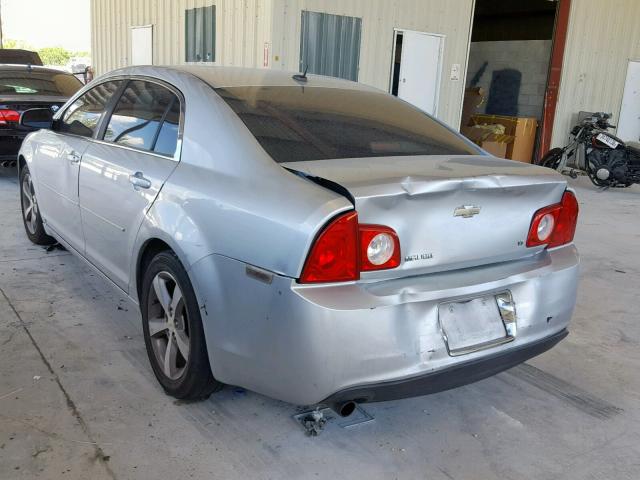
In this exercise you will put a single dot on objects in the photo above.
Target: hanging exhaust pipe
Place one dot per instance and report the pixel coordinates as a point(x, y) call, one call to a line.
point(344, 409)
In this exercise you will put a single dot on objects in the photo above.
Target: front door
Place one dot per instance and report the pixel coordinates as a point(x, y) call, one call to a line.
point(121, 176)
point(419, 60)
point(59, 159)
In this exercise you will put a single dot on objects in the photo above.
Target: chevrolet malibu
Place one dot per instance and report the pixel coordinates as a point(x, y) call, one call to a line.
point(311, 239)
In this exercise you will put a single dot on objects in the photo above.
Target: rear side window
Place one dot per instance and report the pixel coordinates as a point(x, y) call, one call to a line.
point(296, 124)
point(146, 117)
point(83, 116)
point(168, 134)
point(34, 82)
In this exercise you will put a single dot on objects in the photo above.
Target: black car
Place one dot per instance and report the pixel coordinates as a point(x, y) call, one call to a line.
point(23, 87)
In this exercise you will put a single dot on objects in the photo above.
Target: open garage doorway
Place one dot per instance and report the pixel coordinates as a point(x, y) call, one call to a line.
point(511, 82)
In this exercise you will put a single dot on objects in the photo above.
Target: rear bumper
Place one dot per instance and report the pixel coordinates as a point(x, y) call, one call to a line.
point(305, 344)
point(10, 143)
point(447, 378)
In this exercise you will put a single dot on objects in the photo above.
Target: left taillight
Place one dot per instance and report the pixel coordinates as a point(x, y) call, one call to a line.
point(334, 255)
point(345, 248)
point(379, 247)
point(9, 116)
point(555, 225)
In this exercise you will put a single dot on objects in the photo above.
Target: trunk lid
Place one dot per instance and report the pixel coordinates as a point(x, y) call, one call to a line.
point(449, 212)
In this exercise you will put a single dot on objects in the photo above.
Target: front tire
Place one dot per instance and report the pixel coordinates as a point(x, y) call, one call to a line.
point(552, 158)
point(173, 332)
point(31, 217)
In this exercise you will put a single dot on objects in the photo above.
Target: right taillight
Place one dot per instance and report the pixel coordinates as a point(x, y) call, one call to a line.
point(345, 248)
point(9, 116)
point(554, 225)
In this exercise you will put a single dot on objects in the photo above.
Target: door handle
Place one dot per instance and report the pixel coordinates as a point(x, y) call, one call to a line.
point(138, 181)
point(74, 157)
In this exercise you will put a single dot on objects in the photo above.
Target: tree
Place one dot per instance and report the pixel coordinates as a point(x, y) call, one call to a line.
point(11, 43)
point(54, 55)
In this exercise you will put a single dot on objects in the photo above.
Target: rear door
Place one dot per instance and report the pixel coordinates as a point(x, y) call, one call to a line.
point(123, 172)
point(57, 162)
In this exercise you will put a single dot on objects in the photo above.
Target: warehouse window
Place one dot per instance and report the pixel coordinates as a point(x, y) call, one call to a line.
point(330, 44)
point(200, 34)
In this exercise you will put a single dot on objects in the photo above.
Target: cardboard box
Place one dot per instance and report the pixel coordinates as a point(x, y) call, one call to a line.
point(497, 144)
point(473, 99)
point(523, 130)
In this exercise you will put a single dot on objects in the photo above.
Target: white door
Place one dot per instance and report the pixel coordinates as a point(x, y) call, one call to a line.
point(142, 45)
point(420, 68)
point(629, 120)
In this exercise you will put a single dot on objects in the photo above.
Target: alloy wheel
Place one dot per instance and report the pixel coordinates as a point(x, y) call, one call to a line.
point(29, 204)
point(168, 325)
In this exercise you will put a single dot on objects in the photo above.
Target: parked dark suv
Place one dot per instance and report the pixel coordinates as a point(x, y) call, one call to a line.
point(23, 87)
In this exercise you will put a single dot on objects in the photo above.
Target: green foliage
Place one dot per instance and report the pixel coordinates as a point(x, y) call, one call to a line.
point(49, 55)
point(11, 43)
point(54, 55)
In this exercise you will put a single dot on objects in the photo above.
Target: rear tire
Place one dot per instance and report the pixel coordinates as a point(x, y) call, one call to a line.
point(31, 217)
point(173, 332)
point(552, 158)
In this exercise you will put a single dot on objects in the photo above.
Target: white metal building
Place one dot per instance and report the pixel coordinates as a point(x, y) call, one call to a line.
point(357, 39)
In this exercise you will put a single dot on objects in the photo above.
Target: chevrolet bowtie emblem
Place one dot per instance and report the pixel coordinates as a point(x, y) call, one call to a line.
point(466, 211)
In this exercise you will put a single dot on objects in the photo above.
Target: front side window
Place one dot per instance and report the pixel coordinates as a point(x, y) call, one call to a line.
point(146, 117)
point(200, 34)
point(83, 116)
point(296, 124)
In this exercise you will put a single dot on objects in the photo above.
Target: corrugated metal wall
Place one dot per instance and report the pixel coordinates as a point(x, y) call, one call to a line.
point(243, 27)
point(602, 38)
point(379, 17)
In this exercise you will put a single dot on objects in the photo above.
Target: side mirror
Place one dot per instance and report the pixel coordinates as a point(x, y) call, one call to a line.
point(36, 118)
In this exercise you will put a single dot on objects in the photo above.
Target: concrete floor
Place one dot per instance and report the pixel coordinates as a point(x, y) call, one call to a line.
point(78, 399)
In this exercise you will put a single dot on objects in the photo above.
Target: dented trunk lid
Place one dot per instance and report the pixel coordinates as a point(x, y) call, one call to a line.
point(450, 212)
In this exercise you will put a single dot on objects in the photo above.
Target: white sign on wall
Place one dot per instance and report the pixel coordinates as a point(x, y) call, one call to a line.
point(142, 45)
point(455, 72)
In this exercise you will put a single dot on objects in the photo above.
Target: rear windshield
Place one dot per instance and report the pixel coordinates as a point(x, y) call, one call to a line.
point(38, 83)
point(295, 124)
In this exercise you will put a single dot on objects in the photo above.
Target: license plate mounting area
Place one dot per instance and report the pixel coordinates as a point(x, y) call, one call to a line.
point(473, 324)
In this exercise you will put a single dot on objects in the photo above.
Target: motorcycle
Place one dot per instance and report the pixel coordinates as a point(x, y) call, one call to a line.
point(593, 151)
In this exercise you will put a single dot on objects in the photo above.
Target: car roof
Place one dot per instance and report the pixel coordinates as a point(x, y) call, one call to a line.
point(15, 67)
point(226, 77)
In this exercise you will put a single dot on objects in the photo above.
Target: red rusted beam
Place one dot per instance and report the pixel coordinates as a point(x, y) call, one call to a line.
point(555, 74)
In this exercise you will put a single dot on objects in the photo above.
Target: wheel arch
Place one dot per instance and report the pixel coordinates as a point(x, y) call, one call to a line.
point(149, 248)
point(21, 162)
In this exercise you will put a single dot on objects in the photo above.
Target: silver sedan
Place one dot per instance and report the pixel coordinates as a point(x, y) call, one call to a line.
point(311, 239)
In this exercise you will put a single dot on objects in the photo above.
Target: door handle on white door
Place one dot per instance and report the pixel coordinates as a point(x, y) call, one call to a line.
point(138, 181)
point(74, 157)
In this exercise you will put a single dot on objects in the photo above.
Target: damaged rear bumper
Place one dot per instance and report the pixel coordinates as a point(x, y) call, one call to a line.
point(376, 340)
point(451, 377)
